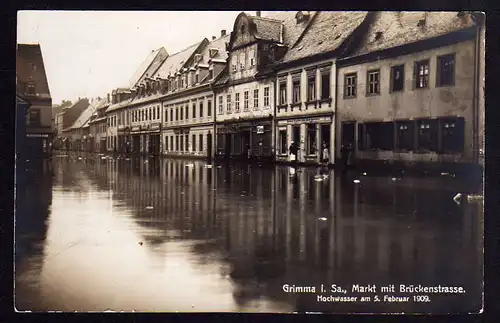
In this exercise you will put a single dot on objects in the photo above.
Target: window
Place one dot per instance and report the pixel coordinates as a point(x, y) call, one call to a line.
point(405, 135)
point(193, 143)
point(282, 141)
point(245, 101)
point(422, 74)
point(237, 102)
point(150, 114)
point(181, 138)
point(200, 147)
point(194, 110)
point(234, 67)
point(373, 84)
point(376, 136)
point(397, 78)
point(196, 77)
point(181, 113)
point(158, 112)
point(34, 117)
point(428, 135)
point(252, 57)
point(171, 114)
point(228, 103)
point(187, 112)
point(452, 135)
point(172, 143)
point(201, 109)
point(154, 114)
point(325, 85)
point(350, 81)
point(31, 89)
point(311, 139)
point(311, 88)
point(209, 107)
point(177, 142)
point(242, 61)
point(221, 104)
point(282, 93)
point(446, 70)
point(256, 98)
point(176, 113)
point(296, 91)
point(266, 96)
point(166, 143)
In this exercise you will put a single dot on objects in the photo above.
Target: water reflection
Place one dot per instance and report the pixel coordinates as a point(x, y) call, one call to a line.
point(174, 235)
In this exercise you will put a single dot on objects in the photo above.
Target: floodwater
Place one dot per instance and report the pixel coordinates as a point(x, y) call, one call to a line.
point(95, 234)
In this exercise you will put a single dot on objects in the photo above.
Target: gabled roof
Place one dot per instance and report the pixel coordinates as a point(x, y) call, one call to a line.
point(30, 68)
point(149, 66)
point(267, 28)
point(399, 28)
point(326, 32)
point(84, 117)
point(176, 61)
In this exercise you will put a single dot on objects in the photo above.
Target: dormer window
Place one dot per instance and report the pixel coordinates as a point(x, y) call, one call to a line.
point(196, 78)
point(302, 16)
point(213, 52)
point(242, 29)
point(197, 58)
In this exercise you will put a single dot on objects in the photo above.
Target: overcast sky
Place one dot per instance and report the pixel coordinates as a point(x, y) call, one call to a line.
point(88, 53)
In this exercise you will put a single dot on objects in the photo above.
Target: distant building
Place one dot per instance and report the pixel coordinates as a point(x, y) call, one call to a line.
point(32, 87)
point(65, 119)
point(98, 127)
point(410, 92)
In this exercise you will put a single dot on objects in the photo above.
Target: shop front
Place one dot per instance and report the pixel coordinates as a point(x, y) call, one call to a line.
point(312, 134)
point(248, 140)
point(124, 140)
point(135, 144)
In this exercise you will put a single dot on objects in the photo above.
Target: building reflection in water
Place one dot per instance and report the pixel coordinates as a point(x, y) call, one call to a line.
point(244, 231)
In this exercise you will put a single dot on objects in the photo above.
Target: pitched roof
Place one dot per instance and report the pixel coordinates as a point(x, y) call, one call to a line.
point(267, 28)
point(84, 117)
point(291, 30)
point(326, 32)
point(149, 65)
point(176, 61)
point(220, 44)
point(30, 68)
point(399, 27)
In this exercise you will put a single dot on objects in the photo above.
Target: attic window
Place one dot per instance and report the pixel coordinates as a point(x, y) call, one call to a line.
point(31, 88)
point(197, 58)
point(421, 23)
point(242, 29)
point(213, 52)
point(378, 35)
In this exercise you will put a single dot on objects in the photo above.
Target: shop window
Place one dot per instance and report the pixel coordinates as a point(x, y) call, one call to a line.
point(200, 143)
point(350, 81)
point(427, 135)
point(422, 74)
point(228, 103)
point(221, 104)
point(445, 70)
point(296, 91)
point(311, 88)
point(405, 135)
point(325, 85)
point(266, 96)
point(361, 136)
point(452, 135)
point(397, 78)
point(34, 117)
point(256, 98)
point(245, 101)
point(209, 107)
point(237, 102)
point(373, 82)
point(379, 135)
point(283, 93)
point(194, 110)
point(311, 139)
point(282, 141)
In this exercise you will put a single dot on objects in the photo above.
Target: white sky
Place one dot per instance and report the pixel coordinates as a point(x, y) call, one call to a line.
point(88, 53)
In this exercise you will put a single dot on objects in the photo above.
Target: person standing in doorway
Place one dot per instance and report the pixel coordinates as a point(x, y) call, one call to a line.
point(293, 153)
point(325, 158)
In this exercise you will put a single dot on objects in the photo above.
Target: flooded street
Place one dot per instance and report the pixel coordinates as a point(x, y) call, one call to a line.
point(94, 234)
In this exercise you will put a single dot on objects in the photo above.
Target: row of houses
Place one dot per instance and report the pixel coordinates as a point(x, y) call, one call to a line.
point(391, 86)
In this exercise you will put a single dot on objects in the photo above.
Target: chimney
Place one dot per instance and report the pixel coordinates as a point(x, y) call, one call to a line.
point(108, 97)
point(257, 13)
point(223, 32)
point(213, 37)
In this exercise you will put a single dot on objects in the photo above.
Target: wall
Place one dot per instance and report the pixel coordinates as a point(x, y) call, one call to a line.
point(411, 103)
point(235, 59)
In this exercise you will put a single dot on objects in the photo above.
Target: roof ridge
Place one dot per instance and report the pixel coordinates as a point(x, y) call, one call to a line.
point(185, 49)
point(266, 18)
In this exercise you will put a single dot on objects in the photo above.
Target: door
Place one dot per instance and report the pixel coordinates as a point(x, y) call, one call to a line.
point(348, 134)
point(209, 146)
point(227, 148)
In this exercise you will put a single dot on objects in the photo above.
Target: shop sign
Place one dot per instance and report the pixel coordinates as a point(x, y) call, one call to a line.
point(305, 120)
point(260, 129)
point(136, 128)
point(37, 135)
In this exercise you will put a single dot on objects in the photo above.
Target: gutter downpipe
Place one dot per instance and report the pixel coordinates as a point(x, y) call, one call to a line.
point(275, 122)
point(475, 113)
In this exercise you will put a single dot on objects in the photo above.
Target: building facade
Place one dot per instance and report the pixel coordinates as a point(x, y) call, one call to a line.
point(411, 101)
point(32, 87)
point(306, 83)
point(245, 92)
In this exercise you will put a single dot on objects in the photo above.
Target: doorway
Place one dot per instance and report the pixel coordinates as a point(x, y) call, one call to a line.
point(228, 144)
point(348, 134)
